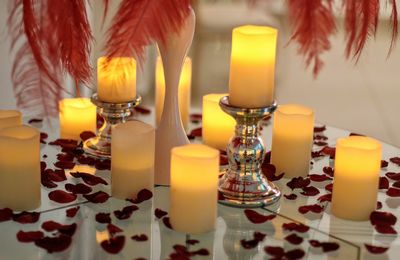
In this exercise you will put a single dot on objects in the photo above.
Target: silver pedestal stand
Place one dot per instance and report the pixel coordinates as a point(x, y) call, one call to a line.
point(113, 114)
point(243, 184)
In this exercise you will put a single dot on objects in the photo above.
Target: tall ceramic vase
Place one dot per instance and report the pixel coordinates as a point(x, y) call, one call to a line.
point(170, 131)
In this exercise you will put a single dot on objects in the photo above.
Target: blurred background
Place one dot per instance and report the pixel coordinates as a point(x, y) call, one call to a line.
point(362, 98)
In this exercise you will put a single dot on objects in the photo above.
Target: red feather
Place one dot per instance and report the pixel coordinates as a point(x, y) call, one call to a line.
point(395, 23)
point(313, 23)
point(106, 4)
point(139, 23)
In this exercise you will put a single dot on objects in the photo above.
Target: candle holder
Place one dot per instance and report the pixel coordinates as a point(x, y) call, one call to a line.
point(243, 184)
point(113, 114)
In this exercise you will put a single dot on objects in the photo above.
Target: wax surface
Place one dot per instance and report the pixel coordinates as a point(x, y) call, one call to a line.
point(10, 118)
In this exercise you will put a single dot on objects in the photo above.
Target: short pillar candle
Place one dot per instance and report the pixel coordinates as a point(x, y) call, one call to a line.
point(116, 79)
point(10, 118)
point(132, 164)
point(20, 168)
point(292, 140)
point(218, 126)
point(194, 188)
point(76, 115)
point(356, 178)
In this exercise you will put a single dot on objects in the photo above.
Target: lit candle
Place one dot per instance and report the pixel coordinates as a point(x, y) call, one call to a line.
point(292, 140)
point(252, 70)
point(10, 118)
point(356, 178)
point(132, 164)
point(76, 115)
point(218, 126)
point(183, 90)
point(194, 188)
point(19, 168)
point(116, 79)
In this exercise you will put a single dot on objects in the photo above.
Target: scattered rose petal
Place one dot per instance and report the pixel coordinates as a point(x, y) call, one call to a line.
point(395, 160)
point(103, 218)
point(167, 223)
point(298, 183)
point(355, 134)
point(79, 188)
point(269, 171)
point(257, 218)
point(54, 244)
point(259, 236)
point(384, 164)
point(126, 212)
point(196, 118)
point(26, 217)
point(103, 165)
point(310, 191)
point(376, 249)
point(142, 110)
point(89, 179)
point(249, 244)
point(113, 229)
point(140, 238)
point(294, 239)
point(223, 160)
point(385, 229)
point(320, 137)
point(97, 197)
point(319, 129)
point(85, 135)
point(325, 197)
point(197, 132)
point(276, 251)
point(29, 236)
point(328, 171)
point(35, 120)
point(43, 137)
point(294, 254)
point(326, 246)
point(142, 195)
point(319, 177)
point(70, 213)
point(201, 251)
point(6, 214)
point(61, 196)
point(68, 230)
point(113, 245)
point(65, 143)
point(86, 160)
point(393, 176)
point(378, 205)
point(382, 218)
point(383, 183)
point(55, 175)
point(396, 184)
point(301, 228)
point(330, 151)
point(329, 187)
point(320, 143)
point(393, 192)
point(192, 241)
point(65, 165)
point(65, 157)
point(290, 196)
point(316, 154)
point(313, 208)
point(47, 183)
point(159, 213)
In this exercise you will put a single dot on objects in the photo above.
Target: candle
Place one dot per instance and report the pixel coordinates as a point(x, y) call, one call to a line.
point(183, 90)
point(19, 168)
point(10, 118)
point(292, 140)
point(252, 70)
point(132, 164)
point(116, 79)
point(218, 126)
point(194, 188)
point(356, 178)
point(76, 115)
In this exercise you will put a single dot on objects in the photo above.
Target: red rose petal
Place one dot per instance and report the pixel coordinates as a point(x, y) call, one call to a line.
point(72, 212)
point(315, 208)
point(55, 175)
point(47, 182)
point(54, 244)
point(326, 246)
point(65, 157)
point(378, 205)
point(249, 244)
point(102, 165)
point(310, 191)
point(257, 218)
point(382, 218)
point(355, 134)
point(126, 212)
point(275, 251)
point(301, 228)
point(393, 192)
point(142, 110)
point(328, 171)
point(167, 223)
point(65, 143)
point(103, 218)
point(64, 165)
point(295, 254)
point(195, 118)
point(86, 160)
point(259, 236)
point(320, 143)
point(113, 229)
point(142, 195)
point(140, 238)
point(385, 229)
point(395, 160)
point(331, 151)
point(298, 183)
point(61, 196)
point(223, 160)
point(319, 129)
point(97, 197)
point(316, 154)
point(384, 164)
point(294, 239)
point(85, 135)
point(79, 188)
point(89, 179)
point(290, 196)
point(26, 217)
point(197, 132)
point(192, 241)
point(269, 171)
point(393, 176)
point(35, 120)
point(320, 137)
point(383, 183)
point(43, 137)
point(6, 214)
point(326, 197)
point(68, 230)
point(159, 213)
point(201, 251)
point(29, 236)
point(113, 245)
point(319, 177)
point(376, 249)
point(329, 187)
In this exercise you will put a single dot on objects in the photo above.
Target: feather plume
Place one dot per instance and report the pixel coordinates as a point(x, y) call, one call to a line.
point(313, 23)
point(139, 23)
point(106, 5)
point(395, 22)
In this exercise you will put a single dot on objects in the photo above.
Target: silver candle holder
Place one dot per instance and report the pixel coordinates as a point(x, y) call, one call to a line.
point(242, 183)
point(113, 114)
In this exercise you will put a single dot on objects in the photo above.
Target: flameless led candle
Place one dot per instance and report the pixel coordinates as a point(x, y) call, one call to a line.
point(292, 140)
point(183, 90)
point(218, 126)
point(10, 118)
point(76, 115)
point(132, 164)
point(252, 70)
point(19, 168)
point(356, 178)
point(194, 188)
point(116, 79)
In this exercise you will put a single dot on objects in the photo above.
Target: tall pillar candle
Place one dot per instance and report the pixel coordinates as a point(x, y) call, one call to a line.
point(194, 188)
point(10, 118)
point(356, 179)
point(76, 115)
point(20, 168)
point(183, 91)
point(292, 140)
point(116, 79)
point(132, 164)
point(218, 126)
point(252, 70)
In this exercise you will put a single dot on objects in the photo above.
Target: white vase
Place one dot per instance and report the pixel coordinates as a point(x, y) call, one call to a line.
point(170, 131)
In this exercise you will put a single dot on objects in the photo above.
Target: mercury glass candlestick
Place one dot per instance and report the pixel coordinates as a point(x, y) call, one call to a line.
point(113, 114)
point(243, 184)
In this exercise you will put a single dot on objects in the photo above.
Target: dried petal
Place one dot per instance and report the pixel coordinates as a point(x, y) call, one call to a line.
point(97, 197)
point(103, 165)
point(313, 208)
point(298, 183)
point(290, 196)
point(61, 196)
point(393, 176)
point(326, 246)
point(85, 135)
point(167, 223)
point(319, 178)
point(113, 229)
point(55, 175)
point(269, 171)
point(328, 171)
point(6, 214)
point(329, 151)
point(376, 249)
point(257, 218)
point(395, 160)
point(383, 183)
point(294, 239)
point(197, 132)
point(159, 213)
point(275, 251)
point(385, 229)
point(329, 187)
point(26, 217)
point(29, 236)
point(378, 205)
point(54, 244)
point(310, 191)
point(319, 129)
point(89, 179)
point(113, 245)
point(142, 195)
point(326, 197)
point(301, 228)
point(139, 238)
point(126, 212)
point(64, 165)
point(382, 218)
point(294, 254)
point(393, 192)
point(79, 188)
point(68, 230)
point(72, 212)
point(396, 184)
point(384, 164)
point(103, 218)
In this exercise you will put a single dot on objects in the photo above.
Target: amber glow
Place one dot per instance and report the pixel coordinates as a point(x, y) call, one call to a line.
point(10, 118)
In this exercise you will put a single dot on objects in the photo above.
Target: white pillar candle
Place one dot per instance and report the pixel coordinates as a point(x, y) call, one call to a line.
point(292, 140)
point(194, 188)
point(116, 79)
point(356, 178)
point(132, 164)
point(218, 126)
point(10, 118)
point(20, 168)
point(183, 91)
point(76, 115)
point(252, 70)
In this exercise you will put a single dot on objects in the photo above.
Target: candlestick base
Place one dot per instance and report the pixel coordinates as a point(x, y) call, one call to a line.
point(113, 114)
point(243, 184)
